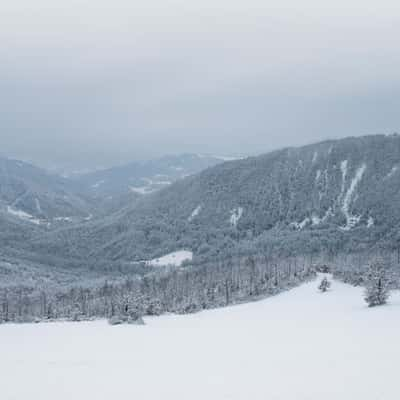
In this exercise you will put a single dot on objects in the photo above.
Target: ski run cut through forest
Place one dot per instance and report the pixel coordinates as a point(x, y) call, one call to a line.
point(301, 344)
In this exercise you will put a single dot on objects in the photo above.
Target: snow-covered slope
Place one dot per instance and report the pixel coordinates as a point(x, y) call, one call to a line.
point(300, 345)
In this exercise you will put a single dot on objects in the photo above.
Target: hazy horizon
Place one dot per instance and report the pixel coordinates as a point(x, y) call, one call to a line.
point(87, 85)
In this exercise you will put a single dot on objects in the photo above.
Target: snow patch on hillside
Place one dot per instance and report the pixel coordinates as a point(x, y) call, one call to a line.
point(352, 220)
point(63, 219)
point(174, 259)
point(235, 216)
point(89, 217)
point(151, 184)
point(157, 180)
point(141, 190)
point(370, 222)
point(38, 207)
point(195, 213)
point(392, 172)
point(343, 168)
point(23, 215)
point(301, 225)
point(316, 220)
point(229, 158)
point(315, 157)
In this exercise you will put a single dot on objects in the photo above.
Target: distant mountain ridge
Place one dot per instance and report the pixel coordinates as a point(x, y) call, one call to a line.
point(35, 196)
point(144, 177)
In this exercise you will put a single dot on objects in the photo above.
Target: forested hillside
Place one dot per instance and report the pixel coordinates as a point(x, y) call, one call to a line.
point(32, 195)
point(333, 196)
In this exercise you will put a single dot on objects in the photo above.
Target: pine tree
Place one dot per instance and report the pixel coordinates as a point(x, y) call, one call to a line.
point(377, 285)
point(324, 285)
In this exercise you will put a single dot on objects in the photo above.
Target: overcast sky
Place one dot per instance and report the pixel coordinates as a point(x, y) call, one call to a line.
point(95, 82)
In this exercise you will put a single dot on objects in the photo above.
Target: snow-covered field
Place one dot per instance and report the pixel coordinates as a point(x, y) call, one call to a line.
point(296, 346)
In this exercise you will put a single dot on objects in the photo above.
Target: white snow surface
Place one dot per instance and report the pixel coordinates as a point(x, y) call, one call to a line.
point(176, 259)
point(301, 345)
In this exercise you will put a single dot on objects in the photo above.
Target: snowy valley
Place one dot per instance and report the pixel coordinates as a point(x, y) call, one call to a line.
point(199, 200)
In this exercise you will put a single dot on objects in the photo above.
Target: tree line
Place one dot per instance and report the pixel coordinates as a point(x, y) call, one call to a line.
point(167, 290)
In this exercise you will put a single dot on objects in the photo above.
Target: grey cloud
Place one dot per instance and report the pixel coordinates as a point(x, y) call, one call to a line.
point(139, 82)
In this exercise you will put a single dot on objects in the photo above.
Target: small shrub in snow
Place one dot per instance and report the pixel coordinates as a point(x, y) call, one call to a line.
point(324, 285)
point(137, 321)
point(115, 320)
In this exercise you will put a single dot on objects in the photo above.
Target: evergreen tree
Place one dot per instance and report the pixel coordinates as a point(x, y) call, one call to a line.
point(377, 285)
point(324, 285)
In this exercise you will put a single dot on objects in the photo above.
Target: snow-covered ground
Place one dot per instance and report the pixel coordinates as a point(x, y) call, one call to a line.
point(301, 345)
point(176, 259)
